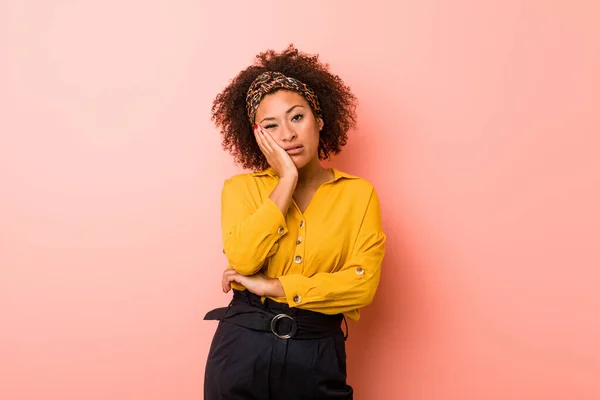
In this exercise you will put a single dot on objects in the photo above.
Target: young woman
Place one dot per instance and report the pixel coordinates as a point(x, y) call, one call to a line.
point(304, 242)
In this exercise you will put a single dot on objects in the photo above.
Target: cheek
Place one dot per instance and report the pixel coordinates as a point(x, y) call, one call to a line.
point(278, 139)
point(310, 132)
point(276, 135)
point(313, 138)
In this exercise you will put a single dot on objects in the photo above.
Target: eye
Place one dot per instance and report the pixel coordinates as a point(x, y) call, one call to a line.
point(270, 126)
point(297, 117)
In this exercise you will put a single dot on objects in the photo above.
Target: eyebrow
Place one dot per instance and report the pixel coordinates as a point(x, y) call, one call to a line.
point(287, 112)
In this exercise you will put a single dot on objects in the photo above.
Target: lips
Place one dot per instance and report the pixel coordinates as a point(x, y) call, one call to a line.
point(294, 150)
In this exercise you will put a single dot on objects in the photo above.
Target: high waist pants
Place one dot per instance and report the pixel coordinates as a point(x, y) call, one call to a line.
point(247, 364)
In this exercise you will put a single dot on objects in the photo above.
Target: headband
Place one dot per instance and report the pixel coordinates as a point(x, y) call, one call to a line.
point(271, 81)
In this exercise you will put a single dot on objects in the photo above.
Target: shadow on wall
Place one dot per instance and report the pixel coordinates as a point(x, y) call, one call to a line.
point(377, 342)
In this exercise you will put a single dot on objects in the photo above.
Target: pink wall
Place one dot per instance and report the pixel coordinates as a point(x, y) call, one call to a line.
point(479, 126)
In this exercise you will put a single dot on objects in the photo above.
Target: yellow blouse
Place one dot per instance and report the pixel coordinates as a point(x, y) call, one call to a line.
point(328, 258)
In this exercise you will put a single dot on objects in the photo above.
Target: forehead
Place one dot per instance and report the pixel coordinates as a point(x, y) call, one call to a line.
point(277, 103)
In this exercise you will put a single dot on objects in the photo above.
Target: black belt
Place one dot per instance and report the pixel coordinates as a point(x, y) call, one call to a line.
point(247, 310)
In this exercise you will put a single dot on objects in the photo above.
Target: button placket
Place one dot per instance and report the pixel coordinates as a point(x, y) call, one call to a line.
point(299, 257)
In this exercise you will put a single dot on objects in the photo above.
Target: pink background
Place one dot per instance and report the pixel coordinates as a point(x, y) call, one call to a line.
point(479, 126)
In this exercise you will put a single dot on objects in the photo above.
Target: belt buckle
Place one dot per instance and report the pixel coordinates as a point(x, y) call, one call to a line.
point(273, 326)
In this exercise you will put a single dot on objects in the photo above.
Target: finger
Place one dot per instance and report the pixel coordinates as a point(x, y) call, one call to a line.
point(270, 141)
point(262, 143)
point(225, 285)
point(265, 140)
point(258, 137)
point(231, 275)
point(226, 282)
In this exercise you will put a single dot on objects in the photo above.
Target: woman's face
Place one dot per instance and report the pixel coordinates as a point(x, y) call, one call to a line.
point(288, 118)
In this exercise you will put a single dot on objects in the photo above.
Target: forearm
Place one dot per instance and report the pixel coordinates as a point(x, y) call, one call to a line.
point(250, 242)
point(350, 288)
point(275, 289)
point(332, 293)
point(250, 234)
point(257, 283)
point(284, 191)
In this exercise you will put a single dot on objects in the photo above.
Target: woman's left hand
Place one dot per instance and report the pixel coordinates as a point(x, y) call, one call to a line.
point(258, 283)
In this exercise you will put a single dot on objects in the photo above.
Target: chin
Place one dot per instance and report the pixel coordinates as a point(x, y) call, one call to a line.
point(299, 164)
point(299, 161)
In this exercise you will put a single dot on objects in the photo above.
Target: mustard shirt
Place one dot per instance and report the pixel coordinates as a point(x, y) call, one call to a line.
point(328, 258)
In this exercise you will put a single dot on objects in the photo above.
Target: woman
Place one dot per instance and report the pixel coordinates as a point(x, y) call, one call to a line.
point(304, 242)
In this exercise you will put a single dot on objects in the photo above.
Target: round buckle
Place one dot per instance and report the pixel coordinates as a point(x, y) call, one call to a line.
point(273, 325)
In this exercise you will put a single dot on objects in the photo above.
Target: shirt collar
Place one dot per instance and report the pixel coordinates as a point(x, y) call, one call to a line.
point(269, 171)
point(337, 175)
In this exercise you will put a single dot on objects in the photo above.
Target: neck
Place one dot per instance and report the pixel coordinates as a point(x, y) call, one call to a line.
point(312, 173)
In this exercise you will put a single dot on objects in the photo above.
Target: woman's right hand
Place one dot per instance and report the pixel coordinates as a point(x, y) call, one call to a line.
point(276, 156)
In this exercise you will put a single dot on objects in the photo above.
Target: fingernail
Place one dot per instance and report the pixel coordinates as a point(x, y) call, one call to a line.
point(255, 126)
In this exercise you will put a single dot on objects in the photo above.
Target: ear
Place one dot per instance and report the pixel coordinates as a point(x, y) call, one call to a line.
point(321, 123)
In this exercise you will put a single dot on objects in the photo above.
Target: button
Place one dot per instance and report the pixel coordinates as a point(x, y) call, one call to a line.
point(360, 271)
point(299, 240)
point(302, 224)
point(280, 230)
point(297, 298)
point(298, 259)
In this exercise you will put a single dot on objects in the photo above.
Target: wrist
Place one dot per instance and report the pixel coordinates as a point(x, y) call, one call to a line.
point(289, 176)
point(275, 288)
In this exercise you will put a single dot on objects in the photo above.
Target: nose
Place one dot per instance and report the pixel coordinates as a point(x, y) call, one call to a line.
point(288, 133)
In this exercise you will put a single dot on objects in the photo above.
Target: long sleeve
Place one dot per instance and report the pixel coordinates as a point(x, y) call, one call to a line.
point(355, 284)
point(250, 231)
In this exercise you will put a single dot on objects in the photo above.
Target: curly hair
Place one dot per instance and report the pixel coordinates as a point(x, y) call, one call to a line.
point(338, 105)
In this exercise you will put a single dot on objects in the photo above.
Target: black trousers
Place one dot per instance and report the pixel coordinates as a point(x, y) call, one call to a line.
point(253, 364)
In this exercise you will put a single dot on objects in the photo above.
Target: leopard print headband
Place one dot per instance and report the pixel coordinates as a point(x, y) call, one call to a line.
point(271, 81)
